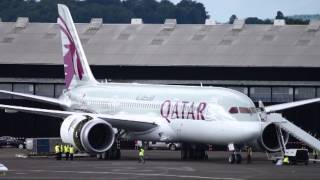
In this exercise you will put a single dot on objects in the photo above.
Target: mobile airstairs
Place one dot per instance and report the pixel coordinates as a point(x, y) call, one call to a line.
point(283, 124)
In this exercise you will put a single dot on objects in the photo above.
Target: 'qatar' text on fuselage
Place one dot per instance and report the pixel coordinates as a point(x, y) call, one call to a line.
point(183, 110)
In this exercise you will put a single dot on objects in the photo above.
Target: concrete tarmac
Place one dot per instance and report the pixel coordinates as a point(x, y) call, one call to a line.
point(161, 165)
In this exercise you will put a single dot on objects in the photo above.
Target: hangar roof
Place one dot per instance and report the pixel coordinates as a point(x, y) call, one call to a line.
point(167, 45)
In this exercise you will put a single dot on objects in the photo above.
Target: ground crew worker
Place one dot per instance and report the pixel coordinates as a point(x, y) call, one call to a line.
point(57, 152)
point(315, 155)
point(71, 151)
point(61, 150)
point(66, 151)
point(141, 155)
point(286, 160)
point(249, 154)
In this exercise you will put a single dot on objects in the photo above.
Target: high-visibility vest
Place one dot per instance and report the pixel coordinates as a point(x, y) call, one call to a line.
point(57, 149)
point(71, 150)
point(61, 148)
point(141, 153)
point(66, 149)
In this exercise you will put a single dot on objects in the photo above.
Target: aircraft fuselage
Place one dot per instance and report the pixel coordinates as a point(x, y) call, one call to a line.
point(197, 114)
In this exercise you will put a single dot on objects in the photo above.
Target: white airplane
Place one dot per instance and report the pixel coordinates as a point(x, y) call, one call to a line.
point(194, 115)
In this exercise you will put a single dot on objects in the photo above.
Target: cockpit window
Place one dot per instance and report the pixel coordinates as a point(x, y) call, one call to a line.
point(233, 110)
point(244, 110)
point(253, 110)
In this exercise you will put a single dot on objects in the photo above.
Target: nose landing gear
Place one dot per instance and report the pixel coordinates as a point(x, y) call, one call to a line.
point(235, 157)
point(193, 151)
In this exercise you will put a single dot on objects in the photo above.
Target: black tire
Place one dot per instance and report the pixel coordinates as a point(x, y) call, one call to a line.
point(99, 156)
point(118, 156)
point(146, 146)
point(172, 147)
point(20, 146)
point(276, 161)
point(114, 154)
point(231, 159)
point(104, 156)
point(238, 158)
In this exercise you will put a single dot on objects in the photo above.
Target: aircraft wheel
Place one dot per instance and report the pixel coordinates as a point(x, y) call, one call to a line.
point(20, 146)
point(118, 156)
point(238, 158)
point(172, 147)
point(231, 159)
point(104, 155)
point(98, 156)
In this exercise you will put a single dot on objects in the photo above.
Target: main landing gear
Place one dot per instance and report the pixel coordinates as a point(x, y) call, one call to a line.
point(193, 151)
point(113, 153)
point(235, 158)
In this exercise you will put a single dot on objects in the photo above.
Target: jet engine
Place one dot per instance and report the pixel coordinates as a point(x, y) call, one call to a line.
point(92, 135)
point(268, 140)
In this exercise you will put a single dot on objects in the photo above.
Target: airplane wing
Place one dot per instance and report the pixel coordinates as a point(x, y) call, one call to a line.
point(133, 123)
point(279, 107)
point(47, 100)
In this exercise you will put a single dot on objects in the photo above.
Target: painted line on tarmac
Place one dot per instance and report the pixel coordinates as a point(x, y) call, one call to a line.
point(136, 174)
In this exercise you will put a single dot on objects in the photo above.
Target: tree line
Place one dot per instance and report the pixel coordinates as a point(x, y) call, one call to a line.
point(121, 11)
point(112, 11)
point(280, 15)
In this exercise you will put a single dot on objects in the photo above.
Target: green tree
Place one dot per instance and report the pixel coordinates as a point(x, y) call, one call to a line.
point(189, 11)
point(165, 10)
point(112, 11)
point(279, 15)
point(255, 20)
point(232, 18)
point(106, 2)
point(291, 21)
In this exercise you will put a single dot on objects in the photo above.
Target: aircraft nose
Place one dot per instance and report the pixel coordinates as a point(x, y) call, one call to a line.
point(253, 129)
point(250, 131)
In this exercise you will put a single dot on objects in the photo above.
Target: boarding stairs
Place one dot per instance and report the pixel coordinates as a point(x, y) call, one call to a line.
point(293, 130)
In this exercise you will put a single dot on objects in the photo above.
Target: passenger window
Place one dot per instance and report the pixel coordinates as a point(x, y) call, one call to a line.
point(233, 110)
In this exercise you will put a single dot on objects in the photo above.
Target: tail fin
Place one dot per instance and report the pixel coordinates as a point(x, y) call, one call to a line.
point(76, 68)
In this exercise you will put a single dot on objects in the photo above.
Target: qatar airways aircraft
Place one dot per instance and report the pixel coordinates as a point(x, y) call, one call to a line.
point(95, 114)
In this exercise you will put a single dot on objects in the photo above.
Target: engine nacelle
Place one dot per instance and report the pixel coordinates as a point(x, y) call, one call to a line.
point(268, 140)
point(88, 134)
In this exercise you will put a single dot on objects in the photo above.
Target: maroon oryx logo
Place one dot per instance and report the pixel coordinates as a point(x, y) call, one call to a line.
point(72, 62)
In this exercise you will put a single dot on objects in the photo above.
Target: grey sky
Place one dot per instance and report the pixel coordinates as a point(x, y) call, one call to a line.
point(221, 10)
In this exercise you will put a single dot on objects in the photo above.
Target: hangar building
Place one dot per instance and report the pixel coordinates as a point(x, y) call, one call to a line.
point(273, 63)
